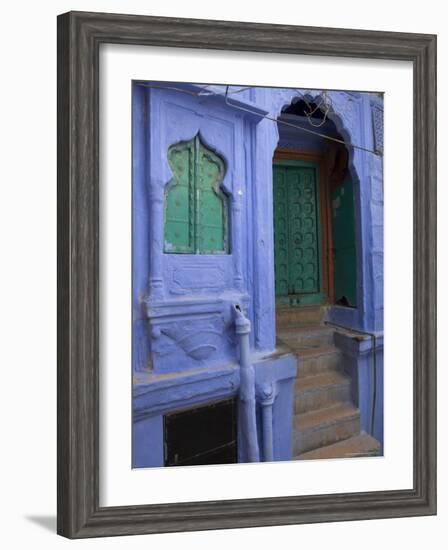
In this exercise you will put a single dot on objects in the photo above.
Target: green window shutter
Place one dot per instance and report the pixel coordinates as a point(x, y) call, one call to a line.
point(179, 200)
point(211, 204)
point(196, 210)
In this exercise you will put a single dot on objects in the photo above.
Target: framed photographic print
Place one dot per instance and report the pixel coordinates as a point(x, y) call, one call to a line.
point(246, 274)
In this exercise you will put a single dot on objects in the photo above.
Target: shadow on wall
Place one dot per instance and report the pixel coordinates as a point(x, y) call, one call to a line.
point(46, 522)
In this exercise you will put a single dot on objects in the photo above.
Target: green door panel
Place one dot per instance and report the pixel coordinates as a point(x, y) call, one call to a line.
point(344, 244)
point(281, 233)
point(296, 234)
point(196, 209)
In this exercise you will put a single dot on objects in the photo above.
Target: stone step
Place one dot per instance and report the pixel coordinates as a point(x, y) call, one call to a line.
point(353, 447)
point(323, 427)
point(321, 391)
point(299, 337)
point(288, 315)
point(318, 361)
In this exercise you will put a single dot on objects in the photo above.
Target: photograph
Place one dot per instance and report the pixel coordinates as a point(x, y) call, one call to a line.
point(257, 274)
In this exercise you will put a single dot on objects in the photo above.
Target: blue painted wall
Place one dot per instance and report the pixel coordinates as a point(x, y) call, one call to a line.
point(183, 333)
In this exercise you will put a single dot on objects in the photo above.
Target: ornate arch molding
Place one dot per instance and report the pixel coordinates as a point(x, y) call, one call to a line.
point(346, 115)
point(221, 157)
point(198, 173)
point(351, 115)
point(209, 144)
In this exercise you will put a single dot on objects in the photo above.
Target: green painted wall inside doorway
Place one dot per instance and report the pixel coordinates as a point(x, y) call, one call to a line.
point(344, 244)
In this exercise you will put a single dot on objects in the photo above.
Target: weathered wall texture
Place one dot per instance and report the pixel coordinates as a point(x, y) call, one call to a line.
point(182, 303)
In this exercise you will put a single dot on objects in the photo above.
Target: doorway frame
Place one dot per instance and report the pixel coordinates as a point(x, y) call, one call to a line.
point(327, 278)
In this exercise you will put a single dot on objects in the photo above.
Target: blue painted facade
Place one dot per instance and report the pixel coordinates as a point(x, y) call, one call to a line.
point(185, 350)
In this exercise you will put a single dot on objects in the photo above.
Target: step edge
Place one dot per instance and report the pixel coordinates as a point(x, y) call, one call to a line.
point(338, 379)
point(308, 327)
point(345, 413)
point(374, 447)
point(309, 445)
point(306, 353)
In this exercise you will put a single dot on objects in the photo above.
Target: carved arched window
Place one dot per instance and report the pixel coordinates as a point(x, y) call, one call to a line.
point(196, 208)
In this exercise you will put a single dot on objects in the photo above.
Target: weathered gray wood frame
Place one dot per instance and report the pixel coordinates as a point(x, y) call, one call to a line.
point(79, 37)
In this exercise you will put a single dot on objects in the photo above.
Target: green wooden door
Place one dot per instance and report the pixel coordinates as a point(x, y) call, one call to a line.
point(344, 244)
point(298, 270)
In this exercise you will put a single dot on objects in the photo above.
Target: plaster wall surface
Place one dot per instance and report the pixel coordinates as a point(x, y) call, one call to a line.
point(183, 303)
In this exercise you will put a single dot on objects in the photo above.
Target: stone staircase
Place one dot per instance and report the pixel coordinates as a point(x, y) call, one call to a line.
point(326, 422)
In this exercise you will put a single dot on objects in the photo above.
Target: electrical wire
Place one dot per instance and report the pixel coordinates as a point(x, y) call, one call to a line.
point(307, 130)
point(205, 92)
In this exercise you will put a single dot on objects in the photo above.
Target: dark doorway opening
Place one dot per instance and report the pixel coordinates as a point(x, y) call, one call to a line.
point(202, 435)
point(302, 108)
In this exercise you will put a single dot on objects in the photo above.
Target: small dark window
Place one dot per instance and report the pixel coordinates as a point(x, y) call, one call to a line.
point(203, 435)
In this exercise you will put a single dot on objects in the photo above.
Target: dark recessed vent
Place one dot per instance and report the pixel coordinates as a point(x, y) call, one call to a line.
point(202, 435)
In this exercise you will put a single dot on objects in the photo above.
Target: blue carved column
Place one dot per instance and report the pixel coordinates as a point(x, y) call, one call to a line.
point(237, 239)
point(247, 408)
point(156, 199)
point(265, 137)
point(266, 399)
